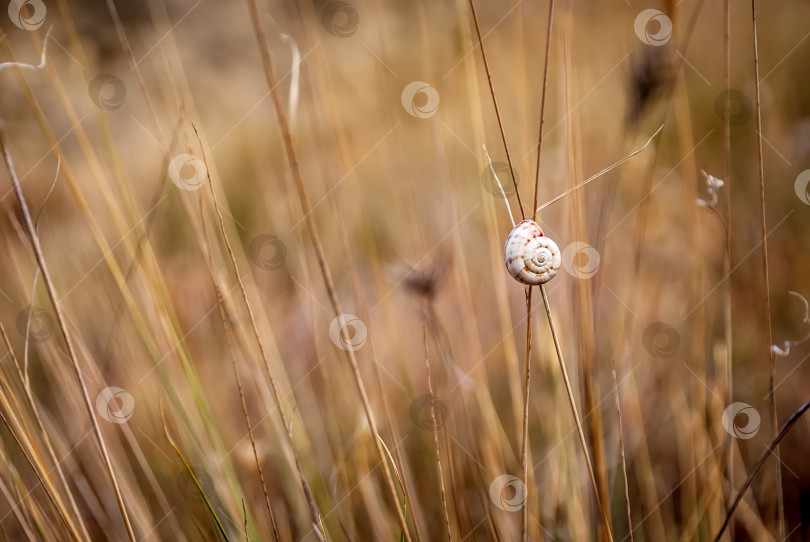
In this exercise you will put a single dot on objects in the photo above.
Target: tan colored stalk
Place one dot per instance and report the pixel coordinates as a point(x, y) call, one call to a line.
point(46, 277)
point(316, 517)
point(272, 82)
point(229, 342)
point(45, 434)
point(570, 393)
point(780, 497)
point(542, 109)
point(727, 440)
point(435, 431)
point(624, 459)
point(524, 449)
point(497, 109)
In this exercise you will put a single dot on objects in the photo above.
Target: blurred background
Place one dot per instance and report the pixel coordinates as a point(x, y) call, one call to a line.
point(181, 258)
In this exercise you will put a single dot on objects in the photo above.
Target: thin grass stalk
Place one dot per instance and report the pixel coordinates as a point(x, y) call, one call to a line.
point(497, 109)
point(245, 520)
point(696, 444)
point(46, 277)
point(24, 521)
point(19, 432)
point(475, 118)
point(727, 323)
point(527, 376)
point(382, 396)
point(542, 108)
point(45, 434)
point(524, 449)
point(313, 508)
point(120, 279)
point(771, 449)
point(455, 468)
point(780, 498)
point(624, 459)
point(229, 343)
point(122, 37)
point(599, 173)
point(106, 250)
point(584, 309)
point(527, 367)
point(399, 481)
point(272, 82)
point(435, 431)
point(573, 403)
point(190, 471)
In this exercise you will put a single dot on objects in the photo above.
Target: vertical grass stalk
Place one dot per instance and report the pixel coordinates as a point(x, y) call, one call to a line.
point(303, 196)
point(60, 319)
point(780, 502)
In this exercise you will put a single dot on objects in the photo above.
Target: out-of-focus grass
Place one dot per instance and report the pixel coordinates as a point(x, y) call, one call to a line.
point(413, 235)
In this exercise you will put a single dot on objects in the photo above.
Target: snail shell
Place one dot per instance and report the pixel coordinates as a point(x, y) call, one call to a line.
point(531, 258)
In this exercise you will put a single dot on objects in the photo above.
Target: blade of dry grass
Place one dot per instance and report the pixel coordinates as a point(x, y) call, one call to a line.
point(600, 173)
point(542, 107)
point(435, 430)
point(24, 382)
point(316, 517)
point(577, 419)
point(780, 498)
point(190, 472)
point(524, 448)
point(23, 520)
point(313, 232)
point(727, 315)
point(23, 440)
point(497, 110)
point(229, 343)
point(771, 449)
point(624, 459)
point(46, 277)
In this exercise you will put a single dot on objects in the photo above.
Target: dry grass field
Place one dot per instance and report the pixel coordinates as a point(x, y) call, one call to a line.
point(253, 281)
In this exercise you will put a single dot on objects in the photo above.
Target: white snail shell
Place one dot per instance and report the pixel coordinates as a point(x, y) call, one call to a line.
point(531, 258)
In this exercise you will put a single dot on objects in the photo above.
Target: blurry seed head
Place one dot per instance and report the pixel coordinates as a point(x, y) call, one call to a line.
point(424, 281)
point(651, 78)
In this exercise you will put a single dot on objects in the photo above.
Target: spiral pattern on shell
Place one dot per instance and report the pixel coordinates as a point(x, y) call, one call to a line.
point(531, 258)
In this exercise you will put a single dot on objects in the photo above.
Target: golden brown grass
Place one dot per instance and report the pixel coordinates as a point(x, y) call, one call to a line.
point(321, 195)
